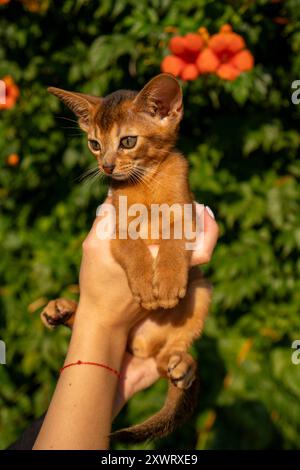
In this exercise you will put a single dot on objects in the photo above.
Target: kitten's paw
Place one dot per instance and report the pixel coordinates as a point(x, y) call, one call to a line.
point(59, 312)
point(169, 289)
point(181, 369)
point(143, 294)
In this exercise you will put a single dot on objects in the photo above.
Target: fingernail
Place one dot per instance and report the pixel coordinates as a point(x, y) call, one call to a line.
point(210, 212)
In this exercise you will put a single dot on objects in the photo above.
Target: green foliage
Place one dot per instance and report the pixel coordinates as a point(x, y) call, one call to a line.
point(242, 141)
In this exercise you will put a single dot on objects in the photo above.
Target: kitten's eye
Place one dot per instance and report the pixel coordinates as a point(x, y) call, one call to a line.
point(94, 144)
point(128, 142)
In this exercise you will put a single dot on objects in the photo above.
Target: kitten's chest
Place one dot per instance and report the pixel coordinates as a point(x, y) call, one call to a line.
point(133, 200)
point(149, 218)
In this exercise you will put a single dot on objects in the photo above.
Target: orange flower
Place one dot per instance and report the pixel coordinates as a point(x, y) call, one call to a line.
point(243, 60)
point(186, 47)
point(12, 93)
point(176, 45)
point(226, 55)
point(225, 44)
point(13, 159)
point(172, 64)
point(193, 42)
point(207, 61)
point(2, 2)
point(228, 72)
point(185, 50)
point(189, 72)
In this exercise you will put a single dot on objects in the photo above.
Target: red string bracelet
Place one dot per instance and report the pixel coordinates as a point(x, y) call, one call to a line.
point(79, 363)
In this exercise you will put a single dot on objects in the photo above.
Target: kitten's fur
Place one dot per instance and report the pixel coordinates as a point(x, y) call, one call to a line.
point(174, 300)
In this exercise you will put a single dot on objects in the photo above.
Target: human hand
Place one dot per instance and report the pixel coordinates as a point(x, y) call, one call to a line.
point(136, 375)
point(104, 289)
point(204, 249)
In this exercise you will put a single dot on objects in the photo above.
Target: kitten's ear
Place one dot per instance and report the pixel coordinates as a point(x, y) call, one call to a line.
point(161, 96)
point(81, 104)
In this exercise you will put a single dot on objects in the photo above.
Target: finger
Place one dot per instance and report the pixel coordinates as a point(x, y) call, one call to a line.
point(136, 374)
point(205, 247)
point(104, 224)
point(148, 374)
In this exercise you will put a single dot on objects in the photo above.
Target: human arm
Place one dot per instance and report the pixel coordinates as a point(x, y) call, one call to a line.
point(106, 309)
point(88, 397)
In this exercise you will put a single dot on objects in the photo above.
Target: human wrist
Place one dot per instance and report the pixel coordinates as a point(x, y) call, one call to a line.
point(114, 319)
point(100, 319)
point(96, 343)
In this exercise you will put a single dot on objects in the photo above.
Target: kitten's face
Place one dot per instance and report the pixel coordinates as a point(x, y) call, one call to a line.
point(129, 133)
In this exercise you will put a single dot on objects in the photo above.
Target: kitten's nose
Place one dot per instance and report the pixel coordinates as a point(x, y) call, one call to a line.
point(108, 168)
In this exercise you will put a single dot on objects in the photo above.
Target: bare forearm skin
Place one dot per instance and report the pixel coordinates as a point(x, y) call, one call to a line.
point(81, 409)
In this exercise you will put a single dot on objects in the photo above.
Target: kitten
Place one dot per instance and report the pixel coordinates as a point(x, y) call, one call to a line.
point(132, 136)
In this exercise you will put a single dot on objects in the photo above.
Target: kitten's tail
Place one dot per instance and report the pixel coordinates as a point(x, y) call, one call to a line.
point(179, 406)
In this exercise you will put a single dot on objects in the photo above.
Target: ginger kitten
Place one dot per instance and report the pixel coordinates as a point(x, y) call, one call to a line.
point(132, 135)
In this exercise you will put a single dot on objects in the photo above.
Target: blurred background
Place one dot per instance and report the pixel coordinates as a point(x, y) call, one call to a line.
point(241, 136)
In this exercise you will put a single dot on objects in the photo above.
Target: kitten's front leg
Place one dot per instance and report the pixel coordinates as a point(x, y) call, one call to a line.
point(137, 262)
point(171, 272)
point(59, 312)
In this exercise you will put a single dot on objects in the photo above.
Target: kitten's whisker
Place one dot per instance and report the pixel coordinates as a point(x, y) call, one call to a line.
point(87, 173)
point(72, 127)
point(73, 135)
point(137, 180)
point(89, 170)
point(140, 179)
point(132, 179)
point(89, 178)
point(67, 119)
point(149, 177)
point(92, 178)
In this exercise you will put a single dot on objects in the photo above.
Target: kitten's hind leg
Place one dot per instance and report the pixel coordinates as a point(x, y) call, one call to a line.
point(182, 369)
point(179, 366)
point(59, 312)
point(183, 324)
